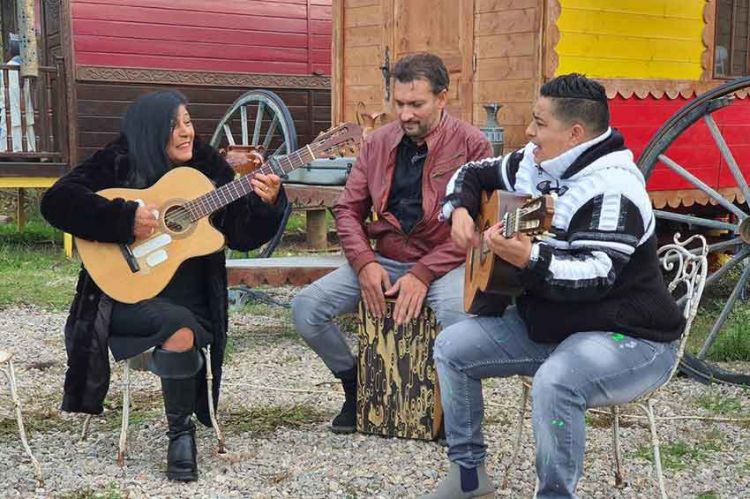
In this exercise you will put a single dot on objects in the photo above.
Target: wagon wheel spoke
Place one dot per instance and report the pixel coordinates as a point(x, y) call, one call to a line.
point(693, 220)
point(738, 258)
point(243, 124)
point(271, 132)
point(721, 143)
point(681, 171)
point(258, 122)
point(228, 133)
point(280, 150)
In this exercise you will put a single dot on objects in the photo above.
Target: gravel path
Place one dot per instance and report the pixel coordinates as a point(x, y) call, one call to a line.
point(271, 376)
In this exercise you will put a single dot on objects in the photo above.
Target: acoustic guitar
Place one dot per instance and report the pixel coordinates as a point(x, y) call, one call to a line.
point(185, 198)
point(489, 279)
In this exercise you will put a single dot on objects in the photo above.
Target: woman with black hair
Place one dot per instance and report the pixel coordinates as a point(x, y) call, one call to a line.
point(191, 312)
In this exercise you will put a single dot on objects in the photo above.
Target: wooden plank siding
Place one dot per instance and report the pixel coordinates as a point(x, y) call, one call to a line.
point(363, 53)
point(639, 39)
point(100, 106)
point(239, 36)
point(507, 40)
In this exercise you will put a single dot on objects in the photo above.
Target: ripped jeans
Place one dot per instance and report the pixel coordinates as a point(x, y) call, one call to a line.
point(589, 369)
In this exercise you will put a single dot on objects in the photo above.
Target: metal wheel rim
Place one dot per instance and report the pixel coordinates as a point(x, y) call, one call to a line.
point(249, 134)
point(738, 223)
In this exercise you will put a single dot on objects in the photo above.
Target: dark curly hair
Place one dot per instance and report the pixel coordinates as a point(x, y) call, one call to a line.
point(422, 66)
point(579, 99)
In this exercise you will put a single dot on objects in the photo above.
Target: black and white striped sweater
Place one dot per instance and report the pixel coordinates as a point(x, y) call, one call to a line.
point(599, 271)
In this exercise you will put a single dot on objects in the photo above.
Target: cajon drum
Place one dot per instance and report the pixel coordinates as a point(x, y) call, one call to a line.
point(397, 392)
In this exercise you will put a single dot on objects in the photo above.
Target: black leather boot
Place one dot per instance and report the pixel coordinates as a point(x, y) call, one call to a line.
point(177, 371)
point(346, 421)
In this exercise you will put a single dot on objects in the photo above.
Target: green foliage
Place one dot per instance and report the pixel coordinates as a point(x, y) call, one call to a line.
point(265, 420)
point(679, 454)
point(36, 275)
point(719, 403)
point(733, 341)
point(110, 491)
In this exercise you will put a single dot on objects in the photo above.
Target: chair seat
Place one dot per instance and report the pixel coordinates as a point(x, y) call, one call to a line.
point(5, 356)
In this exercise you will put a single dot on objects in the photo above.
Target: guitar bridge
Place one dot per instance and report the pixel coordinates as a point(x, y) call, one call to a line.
point(130, 258)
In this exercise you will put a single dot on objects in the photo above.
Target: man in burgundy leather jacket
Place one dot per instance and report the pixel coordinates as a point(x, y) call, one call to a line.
point(401, 177)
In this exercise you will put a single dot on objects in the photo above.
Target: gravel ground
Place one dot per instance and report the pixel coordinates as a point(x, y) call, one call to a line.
point(272, 377)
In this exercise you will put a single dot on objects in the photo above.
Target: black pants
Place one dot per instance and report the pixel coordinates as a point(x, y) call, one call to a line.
point(135, 328)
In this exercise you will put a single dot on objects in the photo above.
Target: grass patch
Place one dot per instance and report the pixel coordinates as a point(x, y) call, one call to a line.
point(36, 275)
point(110, 491)
point(266, 420)
point(257, 308)
point(41, 421)
point(733, 341)
point(719, 403)
point(679, 454)
point(707, 495)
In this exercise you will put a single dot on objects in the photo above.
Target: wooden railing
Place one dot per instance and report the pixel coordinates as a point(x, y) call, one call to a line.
point(33, 116)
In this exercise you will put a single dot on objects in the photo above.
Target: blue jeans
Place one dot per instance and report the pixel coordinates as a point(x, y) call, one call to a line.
point(588, 369)
point(337, 293)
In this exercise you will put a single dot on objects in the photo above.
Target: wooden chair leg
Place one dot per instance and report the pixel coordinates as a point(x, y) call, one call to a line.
point(11, 375)
point(619, 474)
point(519, 434)
point(86, 426)
point(125, 415)
point(211, 411)
point(648, 408)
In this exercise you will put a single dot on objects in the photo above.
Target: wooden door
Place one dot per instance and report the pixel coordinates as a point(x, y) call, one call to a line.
point(445, 28)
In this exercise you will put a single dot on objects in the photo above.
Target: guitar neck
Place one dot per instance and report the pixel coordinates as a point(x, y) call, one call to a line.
point(218, 198)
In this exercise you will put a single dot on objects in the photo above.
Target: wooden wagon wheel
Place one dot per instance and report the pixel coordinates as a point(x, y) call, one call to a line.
point(259, 118)
point(723, 216)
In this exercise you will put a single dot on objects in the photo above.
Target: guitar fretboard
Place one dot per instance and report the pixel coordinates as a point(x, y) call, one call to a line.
point(211, 201)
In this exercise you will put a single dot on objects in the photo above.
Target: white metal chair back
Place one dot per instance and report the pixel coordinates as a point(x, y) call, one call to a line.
point(688, 268)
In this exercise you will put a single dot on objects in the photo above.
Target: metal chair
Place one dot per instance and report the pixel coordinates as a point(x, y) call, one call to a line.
point(6, 359)
point(139, 363)
point(688, 268)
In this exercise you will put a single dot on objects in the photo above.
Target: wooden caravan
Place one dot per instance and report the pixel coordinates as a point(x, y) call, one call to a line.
point(95, 57)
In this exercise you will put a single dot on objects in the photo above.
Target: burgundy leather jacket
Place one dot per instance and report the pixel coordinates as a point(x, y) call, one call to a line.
point(450, 144)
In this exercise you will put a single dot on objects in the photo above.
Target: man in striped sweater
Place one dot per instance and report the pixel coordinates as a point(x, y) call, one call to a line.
point(595, 325)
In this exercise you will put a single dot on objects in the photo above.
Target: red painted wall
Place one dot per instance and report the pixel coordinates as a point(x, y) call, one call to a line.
point(639, 119)
point(238, 36)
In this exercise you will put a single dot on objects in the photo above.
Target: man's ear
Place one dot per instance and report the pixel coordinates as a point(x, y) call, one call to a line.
point(578, 134)
point(442, 98)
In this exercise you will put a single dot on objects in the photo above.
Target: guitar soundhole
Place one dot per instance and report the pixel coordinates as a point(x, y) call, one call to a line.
point(177, 219)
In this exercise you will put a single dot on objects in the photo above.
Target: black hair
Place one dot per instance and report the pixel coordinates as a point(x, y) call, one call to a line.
point(422, 66)
point(147, 127)
point(579, 99)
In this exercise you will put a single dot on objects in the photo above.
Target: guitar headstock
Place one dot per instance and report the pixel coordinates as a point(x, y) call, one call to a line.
point(343, 140)
point(533, 217)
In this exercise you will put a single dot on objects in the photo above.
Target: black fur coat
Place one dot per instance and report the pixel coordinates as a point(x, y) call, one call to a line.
point(72, 205)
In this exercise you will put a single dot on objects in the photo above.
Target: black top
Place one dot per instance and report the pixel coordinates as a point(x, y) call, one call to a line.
point(188, 287)
point(405, 198)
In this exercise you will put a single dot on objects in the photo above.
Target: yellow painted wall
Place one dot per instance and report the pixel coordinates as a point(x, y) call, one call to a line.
point(639, 39)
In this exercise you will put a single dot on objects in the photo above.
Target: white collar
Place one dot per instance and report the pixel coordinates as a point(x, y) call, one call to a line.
point(557, 166)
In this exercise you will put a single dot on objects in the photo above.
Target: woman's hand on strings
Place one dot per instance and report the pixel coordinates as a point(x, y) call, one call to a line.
point(145, 221)
point(267, 187)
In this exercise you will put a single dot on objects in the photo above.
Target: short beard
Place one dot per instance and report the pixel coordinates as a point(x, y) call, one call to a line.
point(420, 133)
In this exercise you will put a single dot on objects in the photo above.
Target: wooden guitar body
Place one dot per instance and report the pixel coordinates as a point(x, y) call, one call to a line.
point(159, 256)
point(488, 278)
point(185, 199)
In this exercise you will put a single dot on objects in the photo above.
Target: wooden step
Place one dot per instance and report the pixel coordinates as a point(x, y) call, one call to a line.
point(294, 270)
